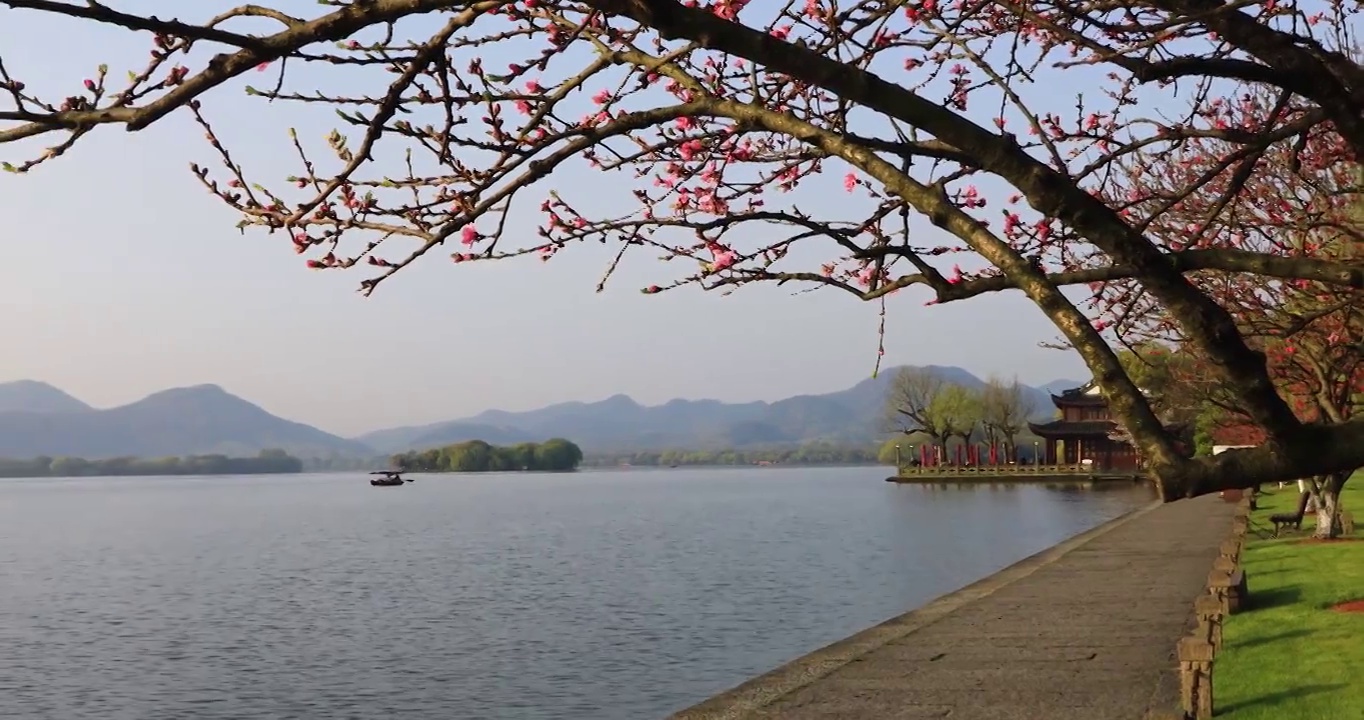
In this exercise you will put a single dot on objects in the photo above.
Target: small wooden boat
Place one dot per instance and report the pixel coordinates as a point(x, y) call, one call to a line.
point(389, 478)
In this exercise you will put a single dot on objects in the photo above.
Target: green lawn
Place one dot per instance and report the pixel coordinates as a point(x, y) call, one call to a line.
point(1290, 657)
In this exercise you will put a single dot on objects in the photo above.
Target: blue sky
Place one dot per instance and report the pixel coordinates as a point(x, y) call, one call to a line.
point(123, 277)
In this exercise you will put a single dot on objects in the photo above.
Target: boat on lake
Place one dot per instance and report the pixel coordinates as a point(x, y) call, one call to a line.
point(388, 478)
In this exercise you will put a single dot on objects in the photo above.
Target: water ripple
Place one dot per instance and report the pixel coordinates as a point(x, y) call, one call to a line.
point(529, 597)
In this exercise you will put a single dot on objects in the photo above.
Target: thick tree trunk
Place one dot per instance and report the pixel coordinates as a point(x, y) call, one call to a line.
point(1327, 496)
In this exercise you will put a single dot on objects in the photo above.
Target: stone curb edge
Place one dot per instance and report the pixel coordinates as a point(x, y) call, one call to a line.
point(765, 689)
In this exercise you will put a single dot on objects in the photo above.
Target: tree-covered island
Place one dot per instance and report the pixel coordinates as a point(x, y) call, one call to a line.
point(555, 454)
point(268, 462)
point(807, 454)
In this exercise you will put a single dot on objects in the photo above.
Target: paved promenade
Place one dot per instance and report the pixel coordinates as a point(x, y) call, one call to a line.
point(1086, 630)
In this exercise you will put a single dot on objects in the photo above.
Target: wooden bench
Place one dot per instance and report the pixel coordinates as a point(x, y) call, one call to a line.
point(1284, 520)
point(1294, 519)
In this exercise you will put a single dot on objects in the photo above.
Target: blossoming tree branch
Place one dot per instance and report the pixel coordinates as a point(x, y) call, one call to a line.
point(981, 145)
point(1306, 201)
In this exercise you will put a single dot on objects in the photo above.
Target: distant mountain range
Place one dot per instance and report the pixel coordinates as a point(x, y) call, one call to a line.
point(39, 419)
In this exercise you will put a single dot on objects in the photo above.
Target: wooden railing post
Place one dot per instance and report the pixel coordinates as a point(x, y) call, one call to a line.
point(1209, 612)
point(1229, 587)
point(1195, 677)
point(1231, 548)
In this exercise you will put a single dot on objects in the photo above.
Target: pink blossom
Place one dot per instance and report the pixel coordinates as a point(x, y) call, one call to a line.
point(602, 97)
point(955, 277)
point(689, 149)
point(468, 235)
point(723, 259)
point(850, 182)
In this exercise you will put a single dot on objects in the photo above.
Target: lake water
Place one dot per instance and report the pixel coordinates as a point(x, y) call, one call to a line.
point(595, 595)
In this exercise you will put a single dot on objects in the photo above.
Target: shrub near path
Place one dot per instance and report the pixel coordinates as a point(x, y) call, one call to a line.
point(1291, 656)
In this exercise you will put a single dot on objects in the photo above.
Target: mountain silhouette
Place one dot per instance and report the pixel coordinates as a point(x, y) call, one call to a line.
point(198, 420)
point(39, 419)
point(619, 423)
point(38, 397)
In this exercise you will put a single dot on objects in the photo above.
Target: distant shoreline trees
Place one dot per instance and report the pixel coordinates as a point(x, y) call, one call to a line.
point(555, 454)
point(268, 462)
point(807, 454)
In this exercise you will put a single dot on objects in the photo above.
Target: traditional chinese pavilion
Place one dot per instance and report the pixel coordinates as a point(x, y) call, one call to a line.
point(1083, 432)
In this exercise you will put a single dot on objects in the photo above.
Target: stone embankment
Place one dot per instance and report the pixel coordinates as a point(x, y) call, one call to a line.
point(1225, 593)
point(1087, 629)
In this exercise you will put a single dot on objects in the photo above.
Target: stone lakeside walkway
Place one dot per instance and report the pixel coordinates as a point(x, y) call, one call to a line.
point(1085, 630)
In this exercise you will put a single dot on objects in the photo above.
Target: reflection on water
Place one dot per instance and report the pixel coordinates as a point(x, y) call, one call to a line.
point(596, 595)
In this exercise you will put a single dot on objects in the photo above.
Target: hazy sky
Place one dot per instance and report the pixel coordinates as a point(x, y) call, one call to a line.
point(123, 277)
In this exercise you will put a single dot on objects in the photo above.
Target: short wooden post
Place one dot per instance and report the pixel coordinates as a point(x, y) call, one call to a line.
point(1209, 611)
point(1231, 548)
point(1195, 677)
point(1218, 582)
point(1229, 588)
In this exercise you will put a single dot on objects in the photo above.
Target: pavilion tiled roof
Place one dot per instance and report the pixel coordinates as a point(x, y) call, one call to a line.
point(1079, 397)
